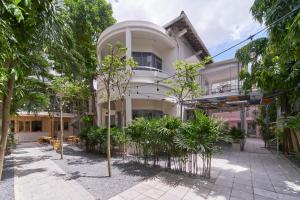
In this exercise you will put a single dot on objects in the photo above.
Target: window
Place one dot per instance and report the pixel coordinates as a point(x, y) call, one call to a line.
point(66, 126)
point(24, 126)
point(36, 126)
point(147, 59)
point(21, 126)
point(12, 126)
point(149, 114)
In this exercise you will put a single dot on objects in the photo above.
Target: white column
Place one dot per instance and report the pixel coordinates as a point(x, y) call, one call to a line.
point(99, 114)
point(128, 43)
point(209, 88)
point(128, 110)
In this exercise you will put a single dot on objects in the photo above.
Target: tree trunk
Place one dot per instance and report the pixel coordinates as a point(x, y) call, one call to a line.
point(181, 111)
point(6, 119)
point(108, 137)
point(93, 101)
point(61, 130)
point(123, 126)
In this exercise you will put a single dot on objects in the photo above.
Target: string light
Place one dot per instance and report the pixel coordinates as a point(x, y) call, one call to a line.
point(241, 42)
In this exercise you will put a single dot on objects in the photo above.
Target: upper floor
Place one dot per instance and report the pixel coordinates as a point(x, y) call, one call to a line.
point(155, 48)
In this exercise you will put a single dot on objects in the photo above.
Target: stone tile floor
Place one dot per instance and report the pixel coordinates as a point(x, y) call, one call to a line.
point(253, 174)
point(38, 178)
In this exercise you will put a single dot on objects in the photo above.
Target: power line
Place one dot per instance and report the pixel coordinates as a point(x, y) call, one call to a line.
point(229, 48)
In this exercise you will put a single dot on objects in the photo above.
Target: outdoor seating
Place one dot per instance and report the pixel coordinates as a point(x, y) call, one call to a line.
point(44, 139)
point(56, 144)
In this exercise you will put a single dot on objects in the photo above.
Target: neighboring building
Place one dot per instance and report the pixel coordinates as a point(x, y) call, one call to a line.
point(155, 49)
point(233, 118)
point(223, 96)
point(29, 127)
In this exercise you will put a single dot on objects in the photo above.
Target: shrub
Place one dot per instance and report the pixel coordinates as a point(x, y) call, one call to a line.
point(236, 134)
point(95, 137)
point(181, 142)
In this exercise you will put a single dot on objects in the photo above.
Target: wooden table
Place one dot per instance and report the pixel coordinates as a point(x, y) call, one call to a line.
point(44, 139)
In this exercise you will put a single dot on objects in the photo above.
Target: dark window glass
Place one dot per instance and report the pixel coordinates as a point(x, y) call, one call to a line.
point(147, 59)
point(66, 126)
point(148, 114)
point(36, 126)
point(12, 126)
point(21, 126)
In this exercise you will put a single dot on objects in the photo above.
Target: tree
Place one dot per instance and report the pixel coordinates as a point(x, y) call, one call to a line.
point(121, 83)
point(66, 90)
point(111, 67)
point(275, 60)
point(88, 18)
point(26, 28)
point(184, 86)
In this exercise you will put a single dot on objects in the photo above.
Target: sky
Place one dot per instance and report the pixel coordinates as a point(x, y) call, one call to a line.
point(219, 23)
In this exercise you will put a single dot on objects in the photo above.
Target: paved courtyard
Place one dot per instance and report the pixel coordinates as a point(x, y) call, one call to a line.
point(253, 174)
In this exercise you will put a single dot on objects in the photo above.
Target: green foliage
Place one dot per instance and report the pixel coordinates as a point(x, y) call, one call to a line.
point(179, 141)
point(294, 122)
point(184, 84)
point(236, 134)
point(266, 117)
point(275, 67)
point(69, 89)
point(95, 136)
point(87, 118)
point(88, 18)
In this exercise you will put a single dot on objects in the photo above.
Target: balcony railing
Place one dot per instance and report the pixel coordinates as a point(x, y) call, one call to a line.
point(223, 89)
point(147, 68)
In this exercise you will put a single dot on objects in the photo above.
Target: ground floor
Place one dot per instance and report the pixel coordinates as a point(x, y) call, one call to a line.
point(254, 174)
point(133, 108)
point(29, 127)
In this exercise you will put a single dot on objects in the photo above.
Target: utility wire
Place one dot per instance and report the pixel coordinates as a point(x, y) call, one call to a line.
point(231, 47)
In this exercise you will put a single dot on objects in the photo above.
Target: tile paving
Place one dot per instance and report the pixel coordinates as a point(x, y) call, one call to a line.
point(38, 178)
point(255, 174)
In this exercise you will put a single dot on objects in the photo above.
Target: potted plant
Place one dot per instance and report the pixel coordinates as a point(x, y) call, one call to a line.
point(237, 135)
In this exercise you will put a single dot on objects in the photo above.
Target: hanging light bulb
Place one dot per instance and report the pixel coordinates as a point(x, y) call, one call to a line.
point(252, 53)
point(157, 88)
point(137, 89)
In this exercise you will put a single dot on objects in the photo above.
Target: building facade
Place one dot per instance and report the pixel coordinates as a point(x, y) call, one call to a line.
point(156, 49)
point(29, 127)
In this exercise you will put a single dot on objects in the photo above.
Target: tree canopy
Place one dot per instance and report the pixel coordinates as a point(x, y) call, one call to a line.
point(275, 64)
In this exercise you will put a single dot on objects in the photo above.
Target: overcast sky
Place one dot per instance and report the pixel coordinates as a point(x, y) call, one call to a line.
point(220, 23)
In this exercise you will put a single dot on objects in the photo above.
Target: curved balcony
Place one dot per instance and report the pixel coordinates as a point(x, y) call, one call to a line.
point(145, 74)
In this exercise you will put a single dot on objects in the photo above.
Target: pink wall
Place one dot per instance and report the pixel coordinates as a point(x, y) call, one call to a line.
point(233, 118)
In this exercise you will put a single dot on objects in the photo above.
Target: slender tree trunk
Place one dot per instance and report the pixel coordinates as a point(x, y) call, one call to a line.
point(181, 111)
point(108, 137)
point(61, 130)
point(6, 118)
point(93, 101)
point(123, 126)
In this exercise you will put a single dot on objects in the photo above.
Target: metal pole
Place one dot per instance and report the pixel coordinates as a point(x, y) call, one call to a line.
point(61, 129)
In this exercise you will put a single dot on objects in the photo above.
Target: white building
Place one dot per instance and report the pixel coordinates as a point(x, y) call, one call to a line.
point(156, 49)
